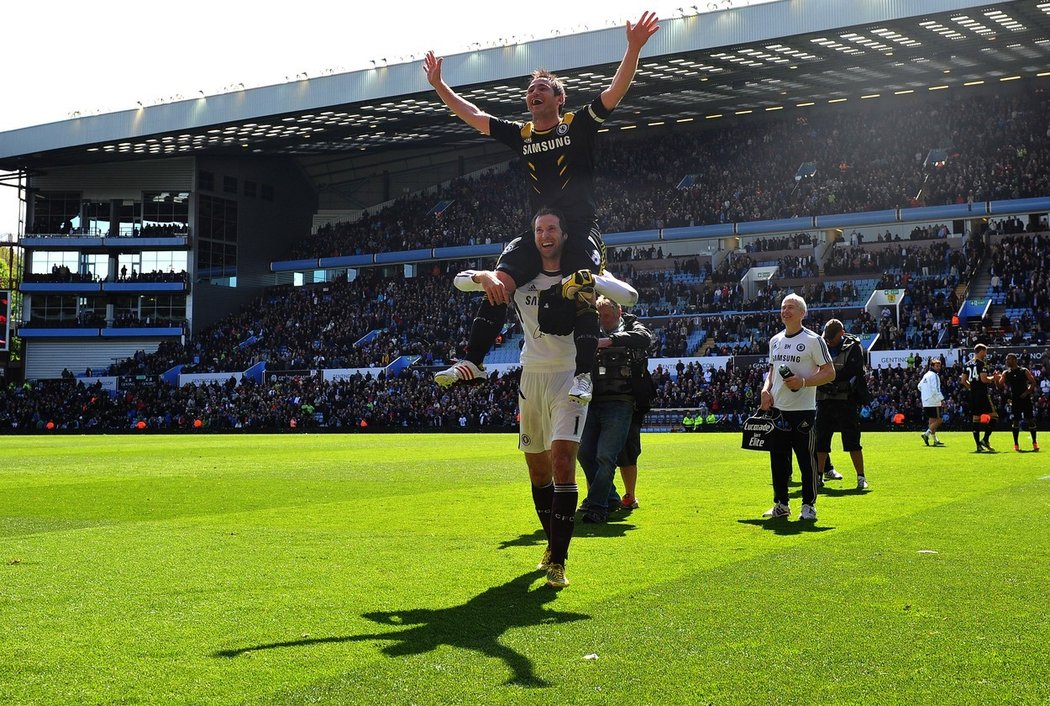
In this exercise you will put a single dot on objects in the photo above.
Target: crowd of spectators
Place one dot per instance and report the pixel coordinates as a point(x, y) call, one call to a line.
point(1019, 267)
point(368, 322)
point(866, 160)
point(410, 401)
point(902, 258)
point(795, 241)
point(318, 327)
point(62, 274)
point(50, 226)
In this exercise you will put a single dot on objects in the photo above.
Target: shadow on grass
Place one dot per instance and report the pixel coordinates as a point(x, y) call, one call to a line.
point(839, 492)
point(475, 625)
point(533, 539)
point(781, 525)
point(614, 527)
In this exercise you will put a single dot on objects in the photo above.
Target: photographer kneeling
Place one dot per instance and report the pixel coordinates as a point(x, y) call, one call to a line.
point(623, 389)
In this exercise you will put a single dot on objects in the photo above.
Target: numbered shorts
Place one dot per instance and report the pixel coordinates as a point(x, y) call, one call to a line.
point(547, 413)
point(981, 403)
point(521, 260)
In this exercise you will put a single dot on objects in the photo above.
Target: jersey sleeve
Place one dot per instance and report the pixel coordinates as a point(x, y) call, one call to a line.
point(505, 131)
point(598, 111)
point(821, 354)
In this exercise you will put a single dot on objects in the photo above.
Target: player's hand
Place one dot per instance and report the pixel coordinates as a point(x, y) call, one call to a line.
point(495, 291)
point(794, 383)
point(766, 400)
point(432, 66)
point(577, 282)
point(638, 34)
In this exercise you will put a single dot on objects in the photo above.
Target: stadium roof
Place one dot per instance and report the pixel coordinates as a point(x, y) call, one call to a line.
point(756, 58)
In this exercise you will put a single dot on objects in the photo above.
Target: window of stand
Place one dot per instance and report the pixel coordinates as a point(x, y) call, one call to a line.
point(47, 262)
point(163, 309)
point(53, 310)
point(91, 310)
point(129, 219)
point(165, 213)
point(150, 310)
point(216, 237)
point(157, 266)
point(125, 310)
point(95, 219)
point(129, 265)
point(95, 266)
point(170, 262)
point(54, 211)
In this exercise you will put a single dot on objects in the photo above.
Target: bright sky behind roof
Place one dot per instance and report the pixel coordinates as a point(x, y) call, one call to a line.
point(107, 55)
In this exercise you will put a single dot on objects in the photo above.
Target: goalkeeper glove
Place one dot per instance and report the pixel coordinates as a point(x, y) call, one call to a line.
point(579, 281)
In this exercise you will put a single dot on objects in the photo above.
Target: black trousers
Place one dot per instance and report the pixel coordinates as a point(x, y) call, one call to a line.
point(799, 439)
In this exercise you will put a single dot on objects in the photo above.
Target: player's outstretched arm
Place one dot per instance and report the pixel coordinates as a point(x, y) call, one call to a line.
point(637, 35)
point(616, 289)
point(463, 109)
point(485, 281)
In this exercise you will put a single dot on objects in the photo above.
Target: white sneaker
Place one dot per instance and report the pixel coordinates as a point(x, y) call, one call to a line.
point(463, 370)
point(582, 389)
point(778, 510)
point(862, 483)
point(808, 513)
point(832, 474)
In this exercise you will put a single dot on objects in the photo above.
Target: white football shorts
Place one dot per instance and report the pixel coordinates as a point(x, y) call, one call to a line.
point(547, 413)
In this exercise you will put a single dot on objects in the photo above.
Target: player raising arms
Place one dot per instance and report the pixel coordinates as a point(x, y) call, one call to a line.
point(559, 154)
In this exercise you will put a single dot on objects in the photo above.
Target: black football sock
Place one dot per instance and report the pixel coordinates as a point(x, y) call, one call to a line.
point(563, 520)
point(1017, 433)
point(988, 429)
point(977, 432)
point(543, 498)
point(585, 336)
point(487, 324)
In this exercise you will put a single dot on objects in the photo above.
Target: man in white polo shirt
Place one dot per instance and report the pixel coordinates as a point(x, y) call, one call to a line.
point(799, 362)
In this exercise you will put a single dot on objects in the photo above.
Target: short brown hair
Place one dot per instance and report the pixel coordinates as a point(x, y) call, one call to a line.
point(555, 82)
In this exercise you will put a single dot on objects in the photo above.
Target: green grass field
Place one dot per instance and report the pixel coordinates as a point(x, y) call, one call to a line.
point(399, 569)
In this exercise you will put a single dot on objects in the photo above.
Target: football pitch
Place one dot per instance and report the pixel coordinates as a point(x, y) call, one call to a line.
point(358, 569)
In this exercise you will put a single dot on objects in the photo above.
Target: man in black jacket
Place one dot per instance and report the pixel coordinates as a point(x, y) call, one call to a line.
point(622, 389)
point(839, 401)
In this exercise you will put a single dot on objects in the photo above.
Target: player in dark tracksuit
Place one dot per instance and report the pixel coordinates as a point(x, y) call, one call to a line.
point(1021, 387)
point(558, 151)
point(976, 379)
